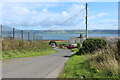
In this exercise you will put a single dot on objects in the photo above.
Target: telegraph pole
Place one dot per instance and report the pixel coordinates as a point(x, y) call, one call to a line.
point(1, 31)
point(28, 36)
point(22, 34)
point(13, 33)
point(86, 20)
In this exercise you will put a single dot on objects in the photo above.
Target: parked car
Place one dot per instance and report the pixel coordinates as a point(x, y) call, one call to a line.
point(72, 46)
point(53, 45)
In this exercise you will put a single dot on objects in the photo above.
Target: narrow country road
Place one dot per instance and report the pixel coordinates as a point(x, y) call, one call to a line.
point(47, 66)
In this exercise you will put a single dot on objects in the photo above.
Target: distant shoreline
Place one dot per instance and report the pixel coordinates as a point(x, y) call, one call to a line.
point(79, 33)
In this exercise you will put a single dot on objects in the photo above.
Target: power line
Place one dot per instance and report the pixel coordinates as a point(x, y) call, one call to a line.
point(79, 22)
point(72, 17)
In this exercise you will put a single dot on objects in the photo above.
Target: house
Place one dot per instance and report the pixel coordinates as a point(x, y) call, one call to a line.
point(75, 40)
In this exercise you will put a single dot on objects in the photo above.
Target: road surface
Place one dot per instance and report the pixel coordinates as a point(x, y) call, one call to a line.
point(48, 66)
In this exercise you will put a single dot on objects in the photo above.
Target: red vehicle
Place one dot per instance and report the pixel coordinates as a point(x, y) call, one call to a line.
point(71, 46)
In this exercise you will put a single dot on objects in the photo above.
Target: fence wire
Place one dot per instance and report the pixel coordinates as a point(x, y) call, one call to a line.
point(13, 33)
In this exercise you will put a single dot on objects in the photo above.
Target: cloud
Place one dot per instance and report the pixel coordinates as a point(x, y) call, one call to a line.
point(95, 15)
point(0, 12)
point(104, 24)
point(39, 16)
point(26, 16)
point(101, 14)
point(60, 0)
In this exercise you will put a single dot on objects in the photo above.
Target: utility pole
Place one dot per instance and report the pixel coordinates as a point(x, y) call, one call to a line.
point(86, 20)
point(13, 33)
point(22, 34)
point(1, 31)
point(37, 35)
point(28, 36)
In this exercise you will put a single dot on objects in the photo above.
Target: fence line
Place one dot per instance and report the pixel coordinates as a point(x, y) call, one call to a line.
point(13, 33)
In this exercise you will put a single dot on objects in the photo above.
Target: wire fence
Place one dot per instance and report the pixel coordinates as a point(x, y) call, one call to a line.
point(16, 34)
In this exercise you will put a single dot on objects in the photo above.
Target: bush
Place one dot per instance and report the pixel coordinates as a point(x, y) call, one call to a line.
point(53, 41)
point(78, 45)
point(118, 45)
point(118, 49)
point(92, 44)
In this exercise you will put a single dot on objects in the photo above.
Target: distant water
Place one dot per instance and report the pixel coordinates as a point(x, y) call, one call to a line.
point(67, 36)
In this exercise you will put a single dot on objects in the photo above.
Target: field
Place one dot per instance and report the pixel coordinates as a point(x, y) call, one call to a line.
point(19, 48)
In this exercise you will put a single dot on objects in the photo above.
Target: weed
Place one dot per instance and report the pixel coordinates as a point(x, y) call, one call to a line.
point(19, 48)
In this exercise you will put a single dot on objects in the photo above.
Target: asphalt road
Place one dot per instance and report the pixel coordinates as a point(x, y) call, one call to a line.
point(48, 66)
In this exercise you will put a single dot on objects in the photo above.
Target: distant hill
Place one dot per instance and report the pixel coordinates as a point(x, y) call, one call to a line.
point(79, 31)
point(7, 29)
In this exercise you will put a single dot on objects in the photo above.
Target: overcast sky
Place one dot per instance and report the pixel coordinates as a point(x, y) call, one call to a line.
point(51, 15)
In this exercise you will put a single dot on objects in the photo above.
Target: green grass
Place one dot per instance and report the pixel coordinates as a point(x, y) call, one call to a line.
point(18, 48)
point(101, 63)
point(75, 50)
point(79, 66)
point(65, 42)
point(9, 55)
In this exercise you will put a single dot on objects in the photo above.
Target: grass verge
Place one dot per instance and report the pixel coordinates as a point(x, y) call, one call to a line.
point(79, 66)
point(19, 48)
point(63, 42)
point(76, 67)
point(96, 58)
point(10, 55)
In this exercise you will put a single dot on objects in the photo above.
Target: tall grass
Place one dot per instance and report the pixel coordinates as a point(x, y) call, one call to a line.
point(106, 61)
point(20, 48)
point(102, 63)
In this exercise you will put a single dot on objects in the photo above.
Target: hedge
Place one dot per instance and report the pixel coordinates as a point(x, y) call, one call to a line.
point(118, 45)
point(92, 44)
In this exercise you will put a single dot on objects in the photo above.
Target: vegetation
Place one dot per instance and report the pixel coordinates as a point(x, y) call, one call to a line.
point(106, 62)
point(75, 50)
point(78, 31)
point(63, 43)
point(118, 45)
point(19, 48)
point(92, 44)
point(53, 41)
point(102, 63)
point(79, 45)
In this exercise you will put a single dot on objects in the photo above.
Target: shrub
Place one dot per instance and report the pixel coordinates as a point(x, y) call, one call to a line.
point(78, 45)
point(93, 44)
point(118, 45)
point(106, 60)
point(118, 49)
point(53, 41)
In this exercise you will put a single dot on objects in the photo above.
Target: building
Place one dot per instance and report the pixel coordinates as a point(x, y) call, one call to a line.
point(75, 40)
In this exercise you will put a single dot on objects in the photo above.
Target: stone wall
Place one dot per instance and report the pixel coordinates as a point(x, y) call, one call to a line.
point(111, 39)
point(75, 40)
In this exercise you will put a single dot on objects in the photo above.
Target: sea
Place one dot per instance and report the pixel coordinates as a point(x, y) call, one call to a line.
point(67, 36)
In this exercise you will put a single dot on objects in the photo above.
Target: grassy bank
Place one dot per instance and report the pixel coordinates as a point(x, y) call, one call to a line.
point(19, 48)
point(101, 63)
point(76, 67)
point(79, 66)
point(63, 42)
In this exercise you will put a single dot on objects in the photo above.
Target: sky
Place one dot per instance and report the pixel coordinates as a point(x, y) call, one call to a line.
point(52, 15)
